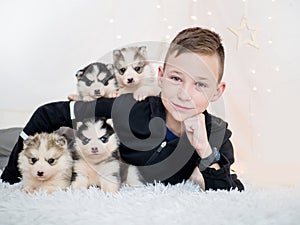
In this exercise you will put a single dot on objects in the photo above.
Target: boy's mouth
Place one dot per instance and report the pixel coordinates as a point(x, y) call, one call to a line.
point(181, 108)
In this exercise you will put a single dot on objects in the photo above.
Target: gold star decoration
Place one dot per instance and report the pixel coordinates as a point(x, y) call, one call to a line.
point(246, 34)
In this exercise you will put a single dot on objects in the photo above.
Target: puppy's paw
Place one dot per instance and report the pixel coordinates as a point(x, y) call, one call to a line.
point(109, 187)
point(73, 97)
point(28, 190)
point(140, 94)
point(78, 186)
point(113, 94)
point(88, 99)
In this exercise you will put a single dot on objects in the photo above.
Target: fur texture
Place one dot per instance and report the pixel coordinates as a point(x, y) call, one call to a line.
point(45, 163)
point(94, 81)
point(135, 73)
point(98, 163)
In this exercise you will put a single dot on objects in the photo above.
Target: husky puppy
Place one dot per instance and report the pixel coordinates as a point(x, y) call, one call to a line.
point(45, 163)
point(134, 73)
point(94, 81)
point(98, 162)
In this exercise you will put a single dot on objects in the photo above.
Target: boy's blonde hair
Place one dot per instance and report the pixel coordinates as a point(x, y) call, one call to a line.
point(200, 41)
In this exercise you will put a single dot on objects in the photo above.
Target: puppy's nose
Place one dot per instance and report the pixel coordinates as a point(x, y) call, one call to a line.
point(94, 149)
point(97, 92)
point(130, 80)
point(40, 174)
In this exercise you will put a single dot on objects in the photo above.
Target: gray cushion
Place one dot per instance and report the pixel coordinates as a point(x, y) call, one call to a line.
point(8, 138)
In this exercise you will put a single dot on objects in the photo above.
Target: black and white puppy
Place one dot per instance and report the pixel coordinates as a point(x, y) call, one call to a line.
point(98, 162)
point(94, 81)
point(134, 73)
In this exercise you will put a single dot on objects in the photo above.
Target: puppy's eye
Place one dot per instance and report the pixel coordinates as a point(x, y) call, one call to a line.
point(122, 70)
point(89, 82)
point(34, 160)
point(103, 139)
point(51, 161)
point(138, 69)
point(85, 141)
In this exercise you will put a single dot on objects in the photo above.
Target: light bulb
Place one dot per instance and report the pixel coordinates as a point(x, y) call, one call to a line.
point(193, 17)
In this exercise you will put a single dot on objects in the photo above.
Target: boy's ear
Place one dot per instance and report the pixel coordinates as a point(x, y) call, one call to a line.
point(220, 90)
point(160, 75)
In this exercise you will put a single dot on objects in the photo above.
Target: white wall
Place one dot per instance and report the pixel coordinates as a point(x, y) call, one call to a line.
point(43, 44)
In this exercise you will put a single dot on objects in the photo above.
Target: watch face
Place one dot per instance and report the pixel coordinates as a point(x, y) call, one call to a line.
point(214, 157)
point(216, 154)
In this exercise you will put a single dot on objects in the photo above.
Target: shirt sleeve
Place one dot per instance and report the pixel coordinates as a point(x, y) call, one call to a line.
point(101, 107)
point(222, 178)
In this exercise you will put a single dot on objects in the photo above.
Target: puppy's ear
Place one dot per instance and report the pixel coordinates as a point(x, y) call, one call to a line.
point(78, 124)
point(111, 68)
point(142, 50)
point(117, 54)
point(110, 122)
point(60, 140)
point(27, 141)
point(31, 140)
point(79, 74)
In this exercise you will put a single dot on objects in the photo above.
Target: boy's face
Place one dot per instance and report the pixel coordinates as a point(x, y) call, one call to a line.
point(188, 83)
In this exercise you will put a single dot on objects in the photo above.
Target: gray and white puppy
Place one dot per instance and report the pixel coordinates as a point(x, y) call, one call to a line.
point(94, 81)
point(45, 163)
point(134, 72)
point(98, 162)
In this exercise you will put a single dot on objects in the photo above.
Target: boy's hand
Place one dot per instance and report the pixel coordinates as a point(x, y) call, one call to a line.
point(195, 129)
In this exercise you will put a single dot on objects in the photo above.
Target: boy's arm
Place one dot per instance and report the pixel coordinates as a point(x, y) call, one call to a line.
point(219, 176)
point(102, 107)
point(210, 138)
point(49, 118)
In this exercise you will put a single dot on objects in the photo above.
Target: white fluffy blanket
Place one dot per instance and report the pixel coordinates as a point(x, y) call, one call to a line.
point(153, 204)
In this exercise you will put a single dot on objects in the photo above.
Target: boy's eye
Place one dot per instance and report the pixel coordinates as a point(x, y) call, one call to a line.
point(178, 79)
point(85, 141)
point(34, 160)
point(201, 85)
point(122, 70)
point(103, 139)
point(51, 161)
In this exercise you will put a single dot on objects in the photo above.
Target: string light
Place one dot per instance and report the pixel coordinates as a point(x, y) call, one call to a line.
point(158, 6)
point(277, 69)
point(253, 71)
point(209, 13)
point(193, 17)
point(254, 88)
point(170, 27)
point(111, 21)
point(119, 37)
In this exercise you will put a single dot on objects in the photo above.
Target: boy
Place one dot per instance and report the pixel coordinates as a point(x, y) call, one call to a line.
point(169, 136)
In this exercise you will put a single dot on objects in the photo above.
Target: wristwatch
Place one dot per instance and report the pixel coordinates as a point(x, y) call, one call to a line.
point(214, 157)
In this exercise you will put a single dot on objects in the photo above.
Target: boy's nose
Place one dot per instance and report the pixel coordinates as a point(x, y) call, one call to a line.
point(183, 94)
